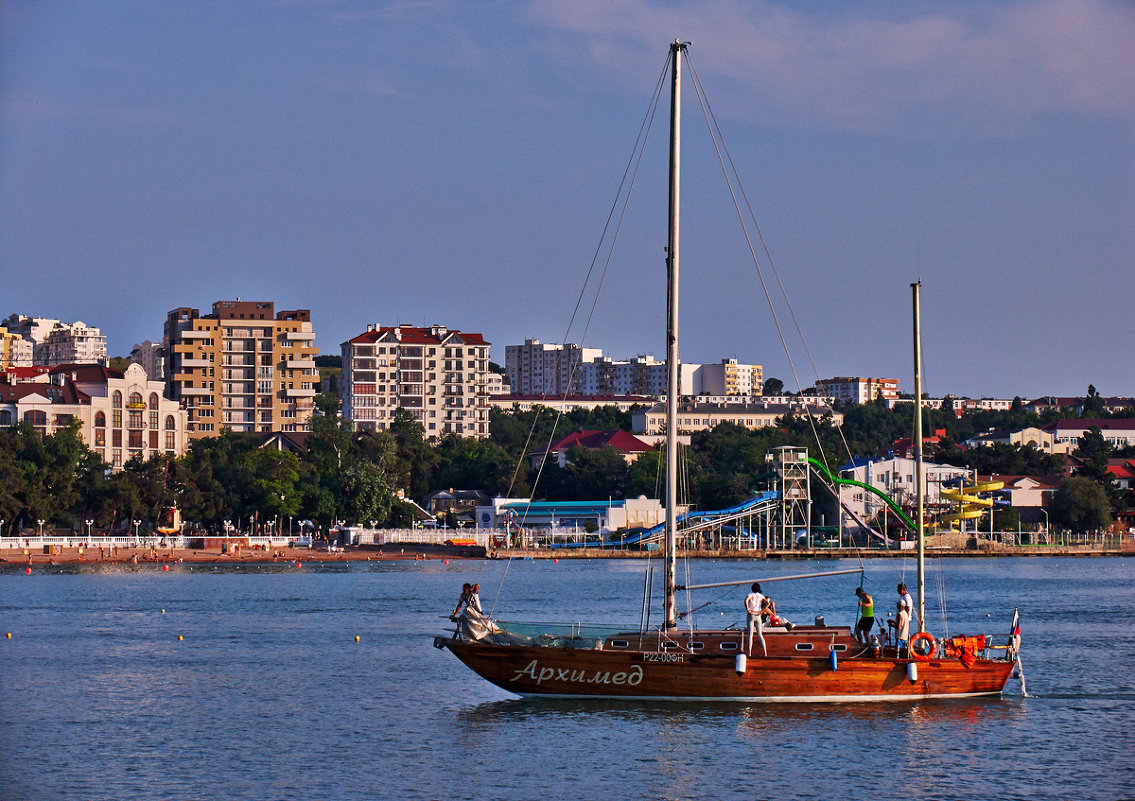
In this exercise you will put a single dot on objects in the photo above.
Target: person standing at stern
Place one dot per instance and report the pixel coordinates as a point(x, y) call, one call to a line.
point(755, 604)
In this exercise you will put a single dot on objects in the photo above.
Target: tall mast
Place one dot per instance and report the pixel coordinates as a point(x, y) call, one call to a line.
point(670, 610)
point(920, 490)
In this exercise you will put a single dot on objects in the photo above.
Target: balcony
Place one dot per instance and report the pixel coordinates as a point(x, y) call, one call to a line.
point(299, 393)
point(300, 336)
point(196, 391)
point(299, 364)
point(195, 362)
point(190, 333)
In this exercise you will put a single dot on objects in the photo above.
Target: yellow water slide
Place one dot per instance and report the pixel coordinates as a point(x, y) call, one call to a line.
point(969, 505)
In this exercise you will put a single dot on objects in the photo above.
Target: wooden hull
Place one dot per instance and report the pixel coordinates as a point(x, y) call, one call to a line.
point(569, 673)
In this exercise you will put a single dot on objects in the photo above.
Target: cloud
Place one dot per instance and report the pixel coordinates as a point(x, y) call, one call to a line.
point(989, 65)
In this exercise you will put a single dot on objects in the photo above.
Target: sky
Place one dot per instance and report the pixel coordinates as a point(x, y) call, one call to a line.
point(455, 162)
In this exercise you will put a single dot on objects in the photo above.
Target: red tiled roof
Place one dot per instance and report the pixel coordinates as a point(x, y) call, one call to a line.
point(1121, 468)
point(54, 393)
point(414, 335)
point(87, 373)
point(618, 439)
point(1117, 424)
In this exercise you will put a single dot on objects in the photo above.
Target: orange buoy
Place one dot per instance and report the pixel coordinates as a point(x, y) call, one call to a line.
point(556, 561)
point(298, 564)
point(28, 571)
point(165, 567)
point(447, 561)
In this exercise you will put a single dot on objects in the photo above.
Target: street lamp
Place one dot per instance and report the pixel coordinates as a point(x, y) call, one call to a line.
point(89, 524)
point(40, 522)
point(1047, 538)
point(136, 524)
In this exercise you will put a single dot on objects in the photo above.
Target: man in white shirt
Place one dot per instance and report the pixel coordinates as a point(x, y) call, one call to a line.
point(755, 604)
point(905, 607)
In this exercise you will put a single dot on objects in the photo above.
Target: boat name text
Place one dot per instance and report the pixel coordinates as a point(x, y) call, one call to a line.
point(662, 657)
point(539, 674)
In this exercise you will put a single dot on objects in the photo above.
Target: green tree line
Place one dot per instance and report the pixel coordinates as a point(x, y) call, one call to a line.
point(358, 476)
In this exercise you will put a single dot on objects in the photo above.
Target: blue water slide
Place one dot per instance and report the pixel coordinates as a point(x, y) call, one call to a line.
point(644, 534)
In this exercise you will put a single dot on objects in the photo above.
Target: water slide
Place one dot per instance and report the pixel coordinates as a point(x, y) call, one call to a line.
point(646, 534)
point(894, 507)
point(970, 507)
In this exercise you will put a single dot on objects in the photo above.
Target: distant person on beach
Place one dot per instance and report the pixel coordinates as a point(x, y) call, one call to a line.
point(755, 605)
point(866, 616)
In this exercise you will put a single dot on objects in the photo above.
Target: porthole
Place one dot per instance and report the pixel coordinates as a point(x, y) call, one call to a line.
point(667, 645)
point(839, 647)
point(619, 643)
point(728, 646)
point(803, 646)
point(697, 646)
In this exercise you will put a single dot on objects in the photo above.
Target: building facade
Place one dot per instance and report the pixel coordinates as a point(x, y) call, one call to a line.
point(243, 367)
point(859, 390)
point(122, 415)
point(54, 342)
point(15, 351)
point(439, 375)
point(545, 368)
point(702, 416)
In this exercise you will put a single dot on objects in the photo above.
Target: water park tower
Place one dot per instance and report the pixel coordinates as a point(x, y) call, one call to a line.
point(790, 465)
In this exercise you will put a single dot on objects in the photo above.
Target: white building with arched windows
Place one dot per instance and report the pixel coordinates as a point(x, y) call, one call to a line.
point(121, 414)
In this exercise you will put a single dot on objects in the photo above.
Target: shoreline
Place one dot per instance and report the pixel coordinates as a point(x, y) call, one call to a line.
point(25, 557)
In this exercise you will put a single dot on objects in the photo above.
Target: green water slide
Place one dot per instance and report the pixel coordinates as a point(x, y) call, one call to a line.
point(823, 471)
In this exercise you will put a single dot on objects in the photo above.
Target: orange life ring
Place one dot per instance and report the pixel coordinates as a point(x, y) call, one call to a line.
point(931, 649)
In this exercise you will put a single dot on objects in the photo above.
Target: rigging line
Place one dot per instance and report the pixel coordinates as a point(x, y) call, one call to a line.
point(634, 161)
point(500, 587)
point(718, 147)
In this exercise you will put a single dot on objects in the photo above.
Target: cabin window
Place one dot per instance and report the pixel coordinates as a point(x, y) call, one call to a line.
point(619, 643)
point(667, 645)
point(803, 646)
point(839, 647)
point(697, 646)
point(728, 646)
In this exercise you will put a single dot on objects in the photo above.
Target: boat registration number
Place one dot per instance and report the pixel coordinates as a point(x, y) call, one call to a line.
point(663, 657)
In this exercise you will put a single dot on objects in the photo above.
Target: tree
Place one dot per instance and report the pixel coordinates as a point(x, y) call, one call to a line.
point(1092, 407)
point(1080, 504)
point(773, 386)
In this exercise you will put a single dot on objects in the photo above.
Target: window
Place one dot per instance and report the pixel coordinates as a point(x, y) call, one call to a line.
point(153, 400)
point(170, 425)
point(153, 440)
point(36, 417)
point(116, 437)
point(728, 646)
point(170, 441)
point(116, 400)
point(803, 646)
point(100, 420)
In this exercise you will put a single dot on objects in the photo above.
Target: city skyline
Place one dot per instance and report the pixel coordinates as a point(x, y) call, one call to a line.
point(437, 163)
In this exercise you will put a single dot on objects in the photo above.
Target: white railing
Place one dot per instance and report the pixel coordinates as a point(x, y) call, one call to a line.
point(37, 543)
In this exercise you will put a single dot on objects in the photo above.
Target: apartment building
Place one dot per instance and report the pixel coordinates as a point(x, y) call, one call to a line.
point(54, 342)
point(15, 351)
point(700, 415)
point(152, 357)
point(729, 378)
point(244, 366)
point(437, 374)
point(859, 390)
point(545, 368)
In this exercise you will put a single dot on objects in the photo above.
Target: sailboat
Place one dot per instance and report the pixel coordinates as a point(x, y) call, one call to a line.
point(806, 663)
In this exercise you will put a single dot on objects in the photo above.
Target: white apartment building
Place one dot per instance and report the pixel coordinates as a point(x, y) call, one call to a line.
point(438, 375)
point(545, 368)
point(859, 390)
point(895, 478)
point(729, 378)
point(244, 367)
point(54, 342)
point(702, 416)
point(152, 357)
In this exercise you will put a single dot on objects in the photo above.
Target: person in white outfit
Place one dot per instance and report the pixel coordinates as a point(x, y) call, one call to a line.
point(905, 607)
point(755, 604)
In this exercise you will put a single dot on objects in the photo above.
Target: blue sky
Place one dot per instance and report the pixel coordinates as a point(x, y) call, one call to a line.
point(454, 162)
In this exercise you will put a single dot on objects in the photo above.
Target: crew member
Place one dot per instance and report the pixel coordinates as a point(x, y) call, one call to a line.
point(755, 604)
point(866, 616)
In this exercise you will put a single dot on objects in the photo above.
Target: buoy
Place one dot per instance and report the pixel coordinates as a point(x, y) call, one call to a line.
point(741, 664)
point(555, 561)
point(28, 571)
point(9, 635)
point(447, 561)
point(165, 567)
point(163, 611)
point(912, 671)
point(833, 660)
point(180, 638)
point(356, 638)
point(298, 564)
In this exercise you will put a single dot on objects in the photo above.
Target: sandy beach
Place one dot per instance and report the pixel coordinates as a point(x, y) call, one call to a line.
point(95, 555)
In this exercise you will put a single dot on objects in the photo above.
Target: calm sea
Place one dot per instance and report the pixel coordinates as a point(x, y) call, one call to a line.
point(269, 696)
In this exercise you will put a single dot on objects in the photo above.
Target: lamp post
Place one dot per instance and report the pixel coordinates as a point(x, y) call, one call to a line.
point(89, 524)
point(40, 522)
point(136, 524)
point(1044, 512)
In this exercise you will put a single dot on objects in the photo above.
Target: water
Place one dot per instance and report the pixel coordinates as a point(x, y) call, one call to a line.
point(268, 696)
